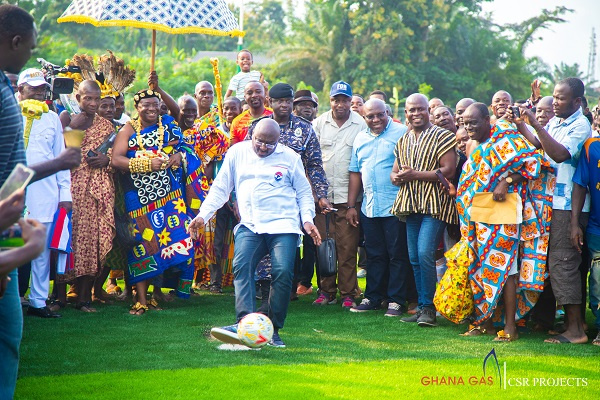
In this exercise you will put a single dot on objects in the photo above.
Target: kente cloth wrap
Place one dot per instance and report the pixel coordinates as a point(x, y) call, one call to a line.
point(497, 246)
point(209, 144)
point(116, 259)
point(93, 195)
point(155, 202)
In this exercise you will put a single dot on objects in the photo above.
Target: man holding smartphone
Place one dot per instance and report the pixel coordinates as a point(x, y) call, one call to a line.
point(44, 141)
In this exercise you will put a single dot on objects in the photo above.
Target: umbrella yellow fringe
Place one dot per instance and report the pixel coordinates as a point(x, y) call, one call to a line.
point(82, 19)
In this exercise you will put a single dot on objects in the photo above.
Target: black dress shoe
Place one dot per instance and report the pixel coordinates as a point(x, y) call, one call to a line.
point(43, 312)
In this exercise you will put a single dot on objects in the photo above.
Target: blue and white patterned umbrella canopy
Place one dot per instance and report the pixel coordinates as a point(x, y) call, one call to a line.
point(210, 17)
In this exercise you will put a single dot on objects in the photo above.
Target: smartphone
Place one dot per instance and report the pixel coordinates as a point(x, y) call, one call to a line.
point(19, 178)
point(91, 154)
point(516, 112)
point(443, 179)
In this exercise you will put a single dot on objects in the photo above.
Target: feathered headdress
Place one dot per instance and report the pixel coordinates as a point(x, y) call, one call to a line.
point(115, 72)
point(106, 89)
point(88, 70)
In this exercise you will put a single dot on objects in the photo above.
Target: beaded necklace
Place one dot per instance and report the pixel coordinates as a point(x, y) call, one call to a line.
point(137, 127)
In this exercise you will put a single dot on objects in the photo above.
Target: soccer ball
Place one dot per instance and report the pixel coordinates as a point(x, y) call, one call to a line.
point(255, 330)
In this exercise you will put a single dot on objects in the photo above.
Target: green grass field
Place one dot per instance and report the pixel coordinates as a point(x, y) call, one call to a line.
point(331, 354)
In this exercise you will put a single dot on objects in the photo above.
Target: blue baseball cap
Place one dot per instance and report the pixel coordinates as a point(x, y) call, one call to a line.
point(340, 87)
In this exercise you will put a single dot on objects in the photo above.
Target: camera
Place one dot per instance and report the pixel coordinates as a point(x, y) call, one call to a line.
point(516, 112)
point(58, 85)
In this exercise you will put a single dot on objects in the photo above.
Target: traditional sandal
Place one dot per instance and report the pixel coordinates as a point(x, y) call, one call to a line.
point(56, 305)
point(85, 306)
point(138, 309)
point(113, 290)
point(504, 337)
point(472, 329)
point(153, 304)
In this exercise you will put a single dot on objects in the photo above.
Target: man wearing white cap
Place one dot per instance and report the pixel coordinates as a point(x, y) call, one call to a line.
point(44, 141)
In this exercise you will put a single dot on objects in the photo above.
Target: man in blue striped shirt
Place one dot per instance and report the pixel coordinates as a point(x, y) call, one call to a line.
point(18, 37)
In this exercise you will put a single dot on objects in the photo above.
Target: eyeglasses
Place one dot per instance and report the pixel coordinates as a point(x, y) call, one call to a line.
point(269, 146)
point(381, 115)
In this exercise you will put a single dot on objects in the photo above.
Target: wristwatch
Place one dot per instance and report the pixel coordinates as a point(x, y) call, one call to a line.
point(509, 180)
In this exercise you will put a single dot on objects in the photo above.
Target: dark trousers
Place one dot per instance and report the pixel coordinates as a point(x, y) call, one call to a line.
point(307, 265)
point(389, 264)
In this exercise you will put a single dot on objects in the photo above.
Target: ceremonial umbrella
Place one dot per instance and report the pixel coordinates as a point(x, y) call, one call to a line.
point(209, 17)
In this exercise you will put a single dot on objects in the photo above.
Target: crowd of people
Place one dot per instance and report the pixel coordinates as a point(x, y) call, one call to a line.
point(192, 194)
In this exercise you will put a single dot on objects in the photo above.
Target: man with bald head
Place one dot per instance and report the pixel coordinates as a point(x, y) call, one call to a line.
point(433, 104)
point(371, 163)
point(93, 193)
point(424, 151)
point(254, 94)
point(500, 103)
point(188, 112)
point(544, 111)
point(274, 199)
point(491, 171)
point(461, 106)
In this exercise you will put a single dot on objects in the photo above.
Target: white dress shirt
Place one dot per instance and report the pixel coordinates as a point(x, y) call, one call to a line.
point(46, 142)
point(272, 192)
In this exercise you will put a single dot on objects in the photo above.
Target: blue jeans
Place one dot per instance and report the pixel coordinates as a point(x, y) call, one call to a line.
point(424, 234)
point(387, 257)
point(593, 242)
point(11, 330)
point(249, 249)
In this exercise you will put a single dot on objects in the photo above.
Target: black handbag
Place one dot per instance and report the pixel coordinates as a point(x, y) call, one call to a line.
point(326, 254)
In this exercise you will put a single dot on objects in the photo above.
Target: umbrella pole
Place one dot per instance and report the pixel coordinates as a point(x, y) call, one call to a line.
point(153, 50)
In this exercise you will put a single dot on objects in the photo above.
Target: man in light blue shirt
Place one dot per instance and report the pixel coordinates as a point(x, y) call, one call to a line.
point(274, 200)
point(562, 140)
point(385, 235)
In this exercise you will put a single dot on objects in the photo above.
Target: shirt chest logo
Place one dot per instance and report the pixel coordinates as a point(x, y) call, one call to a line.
point(278, 176)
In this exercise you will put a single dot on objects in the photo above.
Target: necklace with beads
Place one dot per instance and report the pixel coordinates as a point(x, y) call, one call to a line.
point(137, 126)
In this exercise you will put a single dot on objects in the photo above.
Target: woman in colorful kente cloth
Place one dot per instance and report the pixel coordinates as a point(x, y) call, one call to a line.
point(507, 260)
point(210, 146)
point(149, 150)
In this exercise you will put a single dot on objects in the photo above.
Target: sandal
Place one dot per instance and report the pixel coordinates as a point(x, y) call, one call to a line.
point(473, 329)
point(596, 342)
point(85, 306)
point(113, 290)
point(56, 305)
point(504, 337)
point(153, 304)
point(138, 309)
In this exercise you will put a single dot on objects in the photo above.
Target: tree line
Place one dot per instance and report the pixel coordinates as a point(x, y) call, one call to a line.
point(442, 48)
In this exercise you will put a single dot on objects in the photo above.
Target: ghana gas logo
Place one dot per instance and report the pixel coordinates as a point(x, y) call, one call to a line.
point(490, 375)
point(278, 176)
